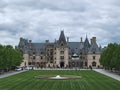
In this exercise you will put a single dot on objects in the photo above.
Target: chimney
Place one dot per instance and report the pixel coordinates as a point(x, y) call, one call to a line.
point(91, 41)
point(67, 39)
point(55, 41)
point(30, 41)
point(47, 41)
point(30, 44)
point(94, 40)
point(21, 38)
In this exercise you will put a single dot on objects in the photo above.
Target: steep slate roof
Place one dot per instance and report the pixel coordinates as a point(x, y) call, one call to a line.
point(62, 38)
point(81, 45)
point(94, 47)
point(86, 43)
point(38, 48)
point(74, 47)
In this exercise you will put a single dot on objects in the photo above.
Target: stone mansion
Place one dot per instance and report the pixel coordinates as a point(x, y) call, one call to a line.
point(60, 54)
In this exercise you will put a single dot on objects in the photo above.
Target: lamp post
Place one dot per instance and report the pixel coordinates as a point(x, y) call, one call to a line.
point(79, 63)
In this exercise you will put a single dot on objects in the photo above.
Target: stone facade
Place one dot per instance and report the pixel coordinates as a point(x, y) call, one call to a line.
point(61, 53)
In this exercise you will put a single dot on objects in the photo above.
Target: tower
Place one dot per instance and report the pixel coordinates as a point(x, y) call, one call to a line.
point(62, 40)
point(62, 51)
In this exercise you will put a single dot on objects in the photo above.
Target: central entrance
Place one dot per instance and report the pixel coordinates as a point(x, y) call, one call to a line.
point(61, 64)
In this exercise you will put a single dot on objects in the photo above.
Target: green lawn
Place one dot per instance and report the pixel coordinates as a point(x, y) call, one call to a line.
point(90, 80)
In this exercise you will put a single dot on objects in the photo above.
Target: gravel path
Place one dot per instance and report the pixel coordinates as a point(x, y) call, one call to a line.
point(107, 73)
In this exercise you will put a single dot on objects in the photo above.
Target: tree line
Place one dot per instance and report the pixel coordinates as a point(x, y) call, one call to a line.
point(9, 57)
point(110, 57)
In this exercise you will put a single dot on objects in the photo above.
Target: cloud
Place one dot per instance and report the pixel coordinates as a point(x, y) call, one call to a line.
point(39, 20)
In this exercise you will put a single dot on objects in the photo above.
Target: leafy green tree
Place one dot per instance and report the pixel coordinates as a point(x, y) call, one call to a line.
point(110, 56)
point(116, 58)
point(9, 57)
point(1, 56)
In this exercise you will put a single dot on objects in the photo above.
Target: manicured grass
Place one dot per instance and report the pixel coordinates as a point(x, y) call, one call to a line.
point(90, 80)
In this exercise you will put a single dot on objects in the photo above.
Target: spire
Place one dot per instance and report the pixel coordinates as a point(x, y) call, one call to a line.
point(67, 39)
point(86, 43)
point(86, 35)
point(81, 39)
point(62, 38)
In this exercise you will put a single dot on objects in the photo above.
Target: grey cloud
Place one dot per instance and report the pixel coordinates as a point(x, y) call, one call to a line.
point(70, 5)
point(43, 19)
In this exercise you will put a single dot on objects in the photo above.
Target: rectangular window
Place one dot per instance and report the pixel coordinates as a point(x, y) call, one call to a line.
point(33, 57)
point(62, 57)
point(83, 57)
point(69, 57)
point(51, 61)
point(80, 57)
point(61, 52)
point(51, 53)
point(80, 53)
point(93, 57)
point(51, 58)
point(41, 57)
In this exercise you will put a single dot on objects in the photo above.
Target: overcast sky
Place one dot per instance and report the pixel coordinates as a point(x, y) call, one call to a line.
point(39, 20)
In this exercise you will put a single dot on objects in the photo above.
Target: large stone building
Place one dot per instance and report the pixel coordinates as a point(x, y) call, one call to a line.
point(60, 54)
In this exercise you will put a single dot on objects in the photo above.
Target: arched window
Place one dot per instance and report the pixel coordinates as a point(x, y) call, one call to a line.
point(85, 63)
point(61, 44)
point(93, 63)
point(29, 63)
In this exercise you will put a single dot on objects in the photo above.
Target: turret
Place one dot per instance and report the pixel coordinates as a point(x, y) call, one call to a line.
point(47, 42)
point(86, 43)
point(67, 39)
point(30, 44)
point(81, 39)
point(93, 40)
point(62, 40)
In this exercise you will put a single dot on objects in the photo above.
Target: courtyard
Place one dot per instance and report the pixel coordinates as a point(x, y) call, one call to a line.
point(90, 80)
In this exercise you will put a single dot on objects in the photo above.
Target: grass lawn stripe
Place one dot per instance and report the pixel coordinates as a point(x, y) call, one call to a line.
point(90, 80)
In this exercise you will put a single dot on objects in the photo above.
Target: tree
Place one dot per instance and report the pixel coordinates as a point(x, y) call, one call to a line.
point(116, 58)
point(1, 56)
point(110, 56)
point(9, 57)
